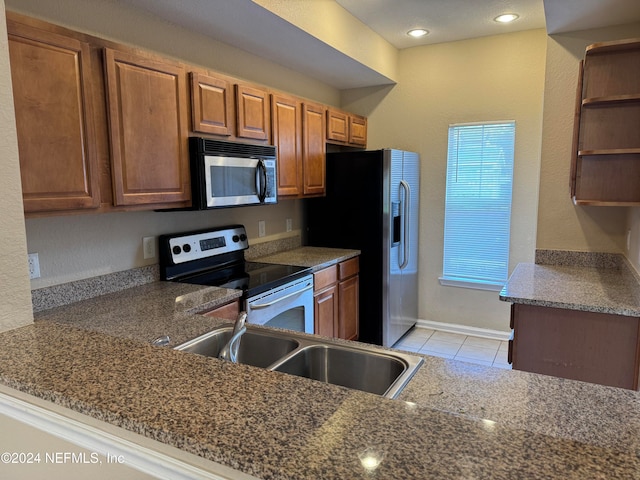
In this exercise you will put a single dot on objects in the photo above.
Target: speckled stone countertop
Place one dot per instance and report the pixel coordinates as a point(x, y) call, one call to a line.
point(585, 288)
point(454, 420)
point(315, 257)
point(146, 312)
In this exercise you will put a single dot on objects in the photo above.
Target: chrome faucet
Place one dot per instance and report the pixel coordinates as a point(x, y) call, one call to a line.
point(230, 350)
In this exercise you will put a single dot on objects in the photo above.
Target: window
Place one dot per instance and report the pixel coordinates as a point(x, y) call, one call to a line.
point(478, 205)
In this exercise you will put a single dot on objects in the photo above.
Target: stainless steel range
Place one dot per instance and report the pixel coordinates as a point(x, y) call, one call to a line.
point(273, 295)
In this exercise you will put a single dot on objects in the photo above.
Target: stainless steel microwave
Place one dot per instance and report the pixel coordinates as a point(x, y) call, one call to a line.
point(230, 174)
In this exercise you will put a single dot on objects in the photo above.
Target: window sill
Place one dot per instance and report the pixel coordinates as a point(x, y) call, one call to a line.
point(475, 285)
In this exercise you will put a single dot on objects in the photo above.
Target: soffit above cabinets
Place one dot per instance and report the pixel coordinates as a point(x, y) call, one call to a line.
point(253, 27)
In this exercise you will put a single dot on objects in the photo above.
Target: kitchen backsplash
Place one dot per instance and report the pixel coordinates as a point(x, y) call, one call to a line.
point(66, 293)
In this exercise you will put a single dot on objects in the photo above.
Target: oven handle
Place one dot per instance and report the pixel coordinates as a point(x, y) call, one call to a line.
point(265, 305)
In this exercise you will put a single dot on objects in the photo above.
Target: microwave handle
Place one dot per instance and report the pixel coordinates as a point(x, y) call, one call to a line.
point(261, 180)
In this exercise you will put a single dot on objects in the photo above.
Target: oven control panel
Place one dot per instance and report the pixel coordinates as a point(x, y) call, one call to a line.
point(201, 244)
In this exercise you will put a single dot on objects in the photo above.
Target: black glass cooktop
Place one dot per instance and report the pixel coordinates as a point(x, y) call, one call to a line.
point(251, 277)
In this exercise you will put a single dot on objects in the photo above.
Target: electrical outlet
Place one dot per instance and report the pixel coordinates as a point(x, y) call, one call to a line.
point(289, 224)
point(34, 266)
point(149, 247)
point(261, 228)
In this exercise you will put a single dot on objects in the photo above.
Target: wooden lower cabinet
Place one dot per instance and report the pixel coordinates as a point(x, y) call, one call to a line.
point(228, 311)
point(336, 300)
point(589, 346)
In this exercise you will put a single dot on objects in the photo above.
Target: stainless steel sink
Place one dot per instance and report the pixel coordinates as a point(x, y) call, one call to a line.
point(358, 366)
point(358, 369)
point(258, 348)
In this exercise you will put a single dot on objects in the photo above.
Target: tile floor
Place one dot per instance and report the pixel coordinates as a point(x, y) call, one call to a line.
point(466, 348)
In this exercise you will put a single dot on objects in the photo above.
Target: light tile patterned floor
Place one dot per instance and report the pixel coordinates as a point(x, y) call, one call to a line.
point(452, 345)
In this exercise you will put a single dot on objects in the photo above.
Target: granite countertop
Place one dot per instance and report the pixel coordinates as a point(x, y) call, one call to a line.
point(316, 258)
point(586, 288)
point(453, 420)
point(146, 312)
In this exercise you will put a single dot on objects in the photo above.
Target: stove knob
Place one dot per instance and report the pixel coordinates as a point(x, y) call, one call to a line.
point(186, 247)
point(235, 239)
point(177, 250)
point(243, 237)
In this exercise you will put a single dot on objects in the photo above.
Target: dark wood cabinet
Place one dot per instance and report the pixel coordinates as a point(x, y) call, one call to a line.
point(605, 169)
point(589, 346)
point(51, 76)
point(336, 300)
point(148, 129)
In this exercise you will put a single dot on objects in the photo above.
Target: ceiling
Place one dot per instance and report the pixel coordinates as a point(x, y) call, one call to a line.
point(446, 20)
point(250, 27)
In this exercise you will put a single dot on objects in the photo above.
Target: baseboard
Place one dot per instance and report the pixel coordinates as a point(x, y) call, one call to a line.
point(464, 330)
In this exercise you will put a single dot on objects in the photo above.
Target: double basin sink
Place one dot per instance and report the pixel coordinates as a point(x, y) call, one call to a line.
point(359, 367)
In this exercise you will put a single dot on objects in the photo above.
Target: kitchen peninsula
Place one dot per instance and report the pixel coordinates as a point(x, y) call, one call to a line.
point(576, 315)
point(453, 420)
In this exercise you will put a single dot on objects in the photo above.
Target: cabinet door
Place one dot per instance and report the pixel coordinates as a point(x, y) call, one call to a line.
point(314, 149)
point(54, 120)
point(252, 108)
point(358, 130)
point(229, 311)
point(325, 311)
point(211, 105)
point(147, 106)
point(348, 310)
point(337, 126)
point(287, 132)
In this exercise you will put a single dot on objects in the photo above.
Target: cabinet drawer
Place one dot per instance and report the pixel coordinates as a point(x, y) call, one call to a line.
point(325, 277)
point(348, 268)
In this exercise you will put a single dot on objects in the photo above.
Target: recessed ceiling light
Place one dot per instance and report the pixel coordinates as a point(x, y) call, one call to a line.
point(506, 17)
point(418, 32)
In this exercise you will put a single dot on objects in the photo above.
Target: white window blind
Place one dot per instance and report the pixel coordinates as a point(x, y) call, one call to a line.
point(478, 205)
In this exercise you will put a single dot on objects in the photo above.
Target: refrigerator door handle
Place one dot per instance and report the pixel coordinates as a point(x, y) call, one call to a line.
point(406, 201)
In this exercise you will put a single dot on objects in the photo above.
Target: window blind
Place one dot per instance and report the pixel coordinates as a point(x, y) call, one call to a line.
point(478, 204)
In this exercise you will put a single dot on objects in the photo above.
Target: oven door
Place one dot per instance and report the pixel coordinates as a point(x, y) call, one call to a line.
point(288, 306)
point(234, 181)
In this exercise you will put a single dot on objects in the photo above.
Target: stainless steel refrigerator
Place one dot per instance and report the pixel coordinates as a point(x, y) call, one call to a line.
point(372, 204)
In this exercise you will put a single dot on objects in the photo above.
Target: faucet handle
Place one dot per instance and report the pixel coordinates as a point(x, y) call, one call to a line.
point(161, 341)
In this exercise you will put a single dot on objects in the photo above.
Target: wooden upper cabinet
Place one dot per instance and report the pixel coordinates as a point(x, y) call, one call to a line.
point(54, 119)
point(337, 125)
point(252, 109)
point(345, 128)
point(357, 130)
point(314, 149)
point(605, 168)
point(148, 127)
point(212, 108)
point(286, 115)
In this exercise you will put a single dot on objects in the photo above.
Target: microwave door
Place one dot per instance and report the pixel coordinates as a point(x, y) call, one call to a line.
point(231, 181)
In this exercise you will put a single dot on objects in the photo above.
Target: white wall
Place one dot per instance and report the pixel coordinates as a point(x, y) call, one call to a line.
point(15, 305)
point(486, 79)
point(82, 246)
